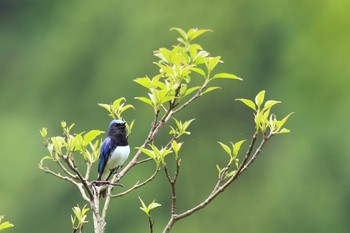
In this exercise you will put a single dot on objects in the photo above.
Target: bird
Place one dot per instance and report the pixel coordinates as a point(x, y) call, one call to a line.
point(114, 151)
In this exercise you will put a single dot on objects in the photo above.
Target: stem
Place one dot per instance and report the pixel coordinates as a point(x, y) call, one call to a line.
point(198, 94)
point(99, 222)
point(172, 182)
point(138, 184)
point(151, 223)
point(73, 167)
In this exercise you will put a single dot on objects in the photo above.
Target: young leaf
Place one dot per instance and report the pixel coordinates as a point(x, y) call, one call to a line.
point(91, 135)
point(176, 147)
point(5, 225)
point(226, 76)
point(282, 122)
point(190, 90)
point(145, 82)
point(145, 100)
point(43, 132)
point(198, 71)
point(226, 148)
point(213, 61)
point(284, 130)
point(147, 209)
point(194, 33)
point(236, 147)
point(117, 102)
point(249, 103)
point(270, 103)
point(105, 106)
point(182, 32)
point(259, 99)
point(149, 153)
point(209, 89)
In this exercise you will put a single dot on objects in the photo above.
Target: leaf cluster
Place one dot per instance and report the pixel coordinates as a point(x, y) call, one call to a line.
point(4, 224)
point(265, 121)
point(79, 218)
point(67, 145)
point(176, 68)
point(147, 208)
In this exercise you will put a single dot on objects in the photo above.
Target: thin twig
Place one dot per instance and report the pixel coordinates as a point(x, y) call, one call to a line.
point(73, 167)
point(151, 223)
point(137, 185)
point(143, 161)
point(198, 94)
point(58, 175)
point(88, 170)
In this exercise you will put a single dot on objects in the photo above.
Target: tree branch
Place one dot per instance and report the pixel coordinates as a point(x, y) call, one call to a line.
point(137, 185)
point(84, 182)
point(197, 95)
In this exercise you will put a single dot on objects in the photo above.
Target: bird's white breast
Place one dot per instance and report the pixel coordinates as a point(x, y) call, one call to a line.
point(118, 157)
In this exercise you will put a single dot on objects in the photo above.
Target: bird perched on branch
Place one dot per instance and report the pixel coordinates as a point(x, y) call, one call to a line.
point(114, 151)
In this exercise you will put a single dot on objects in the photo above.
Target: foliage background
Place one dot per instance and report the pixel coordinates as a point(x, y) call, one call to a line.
point(58, 59)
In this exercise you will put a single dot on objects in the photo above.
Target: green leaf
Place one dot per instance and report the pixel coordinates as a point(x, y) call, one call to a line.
point(194, 33)
point(259, 99)
point(226, 76)
point(213, 61)
point(181, 32)
point(198, 71)
point(201, 57)
point(43, 132)
point(91, 135)
point(270, 103)
point(163, 54)
point(226, 148)
point(105, 106)
point(153, 205)
point(209, 89)
point(194, 49)
point(284, 130)
point(145, 82)
point(176, 147)
point(147, 209)
point(283, 121)
point(5, 225)
point(249, 103)
point(117, 102)
point(190, 90)
point(236, 147)
point(145, 100)
point(124, 108)
point(147, 152)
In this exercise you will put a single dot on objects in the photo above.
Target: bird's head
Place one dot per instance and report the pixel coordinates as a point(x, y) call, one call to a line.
point(117, 127)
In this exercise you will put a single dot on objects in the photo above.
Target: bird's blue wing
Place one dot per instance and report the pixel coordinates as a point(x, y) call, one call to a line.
point(106, 149)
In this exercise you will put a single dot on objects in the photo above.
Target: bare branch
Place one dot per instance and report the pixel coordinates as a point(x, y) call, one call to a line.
point(58, 175)
point(84, 182)
point(88, 170)
point(143, 161)
point(65, 169)
point(137, 185)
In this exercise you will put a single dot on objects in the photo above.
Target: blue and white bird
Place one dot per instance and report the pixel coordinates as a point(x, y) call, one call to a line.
point(114, 150)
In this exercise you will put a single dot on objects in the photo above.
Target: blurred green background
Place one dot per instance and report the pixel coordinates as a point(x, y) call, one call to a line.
point(58, 59)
